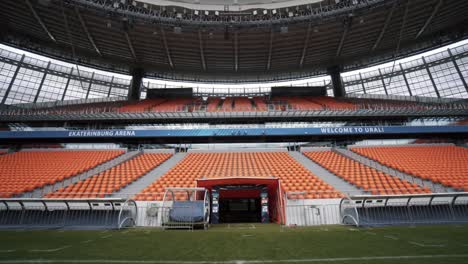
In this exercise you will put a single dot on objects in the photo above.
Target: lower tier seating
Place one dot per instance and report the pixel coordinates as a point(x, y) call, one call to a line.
point(364, 177)
point(447, 165)
point(294, 177)
point(113, 179)
point(25, 171)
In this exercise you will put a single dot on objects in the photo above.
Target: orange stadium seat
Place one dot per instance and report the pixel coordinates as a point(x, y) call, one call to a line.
point(260, 104)
point(113, 179)
point(299, 103)
point(294, 177)
point(173, 105)
point(213, 103)
point(227, 105)
point(364, 177)
point(243, 104)
point(330, 103)
point(447, 165)
point(141, 106)
point(27, 170)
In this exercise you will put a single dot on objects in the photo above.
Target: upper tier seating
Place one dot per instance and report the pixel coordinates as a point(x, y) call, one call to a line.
point(447, 165)
point(113, 179)
point(362, 176)
point(331, 103)
point(260, 104)
point(172, 105)
point(294, 177)
point(213, 103)
point(227, 105)
point(243, 104)
point(25, 171)
point(141, 106)
point(299, 103)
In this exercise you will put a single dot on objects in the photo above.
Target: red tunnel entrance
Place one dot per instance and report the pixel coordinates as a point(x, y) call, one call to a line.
point(239, 193)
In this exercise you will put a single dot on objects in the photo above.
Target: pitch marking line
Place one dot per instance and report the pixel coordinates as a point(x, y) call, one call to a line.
point(7, 250)
point(232, 261)
point(106, 236)
point(49, 250)
point(425, 245)
point(125, 232)
point(86, 241)
point(371, 233)
point(391, 237)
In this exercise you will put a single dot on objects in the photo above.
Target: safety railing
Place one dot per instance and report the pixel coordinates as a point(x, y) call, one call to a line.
point(415, 209)
point(24, 213)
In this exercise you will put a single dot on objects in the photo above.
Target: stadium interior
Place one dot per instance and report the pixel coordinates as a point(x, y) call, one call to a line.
point(118, 114)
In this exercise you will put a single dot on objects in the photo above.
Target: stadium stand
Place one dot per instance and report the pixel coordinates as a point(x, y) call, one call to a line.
point(260, 104)
point(362, 176)
point(112, 179)
point(299, 103)
point(330, 103)
point(141, 106)
point(294, 177)
point(243, 104)
point(25, 171)
point(447, 165)
point(227, 105)
point(213, 104)
point(172, 105)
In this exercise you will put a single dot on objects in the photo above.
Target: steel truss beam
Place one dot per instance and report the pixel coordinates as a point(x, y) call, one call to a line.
point(166, 47)
point(385, 26)
point(202, 53)
point(85, 28)
point(429, 19)
point(270, 49)
point(306, 44)
point(39, 20)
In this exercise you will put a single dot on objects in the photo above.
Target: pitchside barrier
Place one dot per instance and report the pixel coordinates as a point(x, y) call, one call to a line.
point(440, 208)
point(189, 208)
point(36, 213)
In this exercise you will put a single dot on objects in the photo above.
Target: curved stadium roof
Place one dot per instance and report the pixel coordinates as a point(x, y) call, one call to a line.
point(173, 42)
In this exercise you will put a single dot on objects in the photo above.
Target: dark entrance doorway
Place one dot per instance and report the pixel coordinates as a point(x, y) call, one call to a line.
point(240, 210)
point(235, 200)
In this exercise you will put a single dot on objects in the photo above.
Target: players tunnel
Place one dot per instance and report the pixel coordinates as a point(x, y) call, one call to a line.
point(244, 200)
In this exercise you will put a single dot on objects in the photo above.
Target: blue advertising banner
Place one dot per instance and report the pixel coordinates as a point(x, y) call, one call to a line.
point(151, 133)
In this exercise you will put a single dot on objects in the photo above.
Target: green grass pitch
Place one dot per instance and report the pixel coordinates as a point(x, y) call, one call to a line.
point(241, 244)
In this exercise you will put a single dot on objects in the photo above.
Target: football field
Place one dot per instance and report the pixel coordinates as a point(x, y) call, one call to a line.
point(240, 244)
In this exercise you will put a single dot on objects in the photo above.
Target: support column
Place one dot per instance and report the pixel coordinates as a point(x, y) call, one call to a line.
point(430, 76)
point(135, 86)
point(383, 82)
point(90, 84)
point(13, 79)
point(362, 84)
point(458, 70)
point(68, 83)
point(338, 89)
point(406, 80)
point(42, 83)
point(110, 87)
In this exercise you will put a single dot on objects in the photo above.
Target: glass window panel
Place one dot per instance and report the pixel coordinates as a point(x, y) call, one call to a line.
point(25, 86)
point(6, 74)
point(52, 89)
